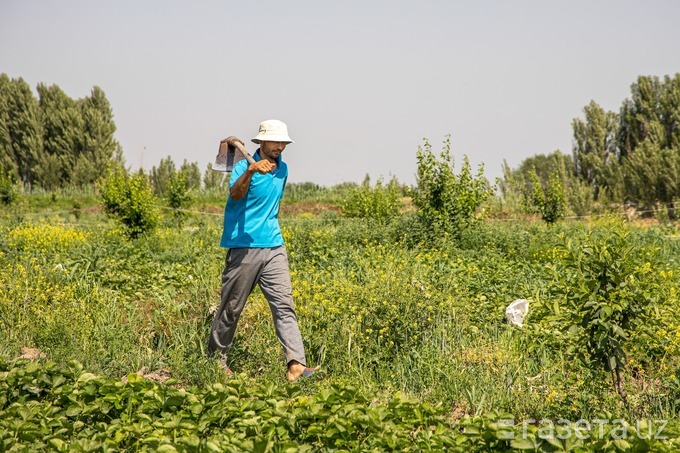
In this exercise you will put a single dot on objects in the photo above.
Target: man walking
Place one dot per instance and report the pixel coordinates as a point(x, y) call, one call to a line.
point(257, 254)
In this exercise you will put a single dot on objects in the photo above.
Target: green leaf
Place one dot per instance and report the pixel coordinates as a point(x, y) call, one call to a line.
point(612, 362)
point(523, 443)
point(57, 444)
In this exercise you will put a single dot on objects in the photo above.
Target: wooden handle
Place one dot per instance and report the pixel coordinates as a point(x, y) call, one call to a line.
point(245, 152)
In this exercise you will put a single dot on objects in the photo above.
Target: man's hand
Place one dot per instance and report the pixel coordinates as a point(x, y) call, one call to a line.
point(231, 141)
point(240, 187)
point(261, 166)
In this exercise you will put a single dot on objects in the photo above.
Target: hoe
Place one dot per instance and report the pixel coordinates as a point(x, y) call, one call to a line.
point(226, 156)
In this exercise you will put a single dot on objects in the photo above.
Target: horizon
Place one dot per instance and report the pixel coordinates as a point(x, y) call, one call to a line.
point(359, 85)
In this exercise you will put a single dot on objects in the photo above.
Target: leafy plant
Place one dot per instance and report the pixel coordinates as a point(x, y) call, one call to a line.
point(549, 201)
point(178, 195)
point(379, 202)
point(129, 199)
point(447, 202)
point(609, 292)
point(8, 191)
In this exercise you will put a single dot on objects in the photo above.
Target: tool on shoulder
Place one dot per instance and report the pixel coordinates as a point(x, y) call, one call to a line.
point(226, 155)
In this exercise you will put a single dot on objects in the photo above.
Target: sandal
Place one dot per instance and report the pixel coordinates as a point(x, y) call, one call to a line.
point(306, 373)
point(225, 367)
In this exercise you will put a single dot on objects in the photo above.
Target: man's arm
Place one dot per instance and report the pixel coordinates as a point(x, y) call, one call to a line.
point(239, 189)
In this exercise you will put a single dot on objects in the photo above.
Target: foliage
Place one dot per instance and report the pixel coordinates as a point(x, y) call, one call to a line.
point(652, 175)
point(447, 202)
point(191, 175)
point(178, 194)
point(55, 141)
point(651, 113)
point(130, 200)
point(67, 408)
point(162, 175)
point(21, 129)
point(548, 201)
point(596, 153)
point(8, 190)
point(580, 198)
point(213, 179)
point(302, 191)
point(377, 315)
point(309, 192)
point(623, 154)
point(378, 202)
point(609, 292)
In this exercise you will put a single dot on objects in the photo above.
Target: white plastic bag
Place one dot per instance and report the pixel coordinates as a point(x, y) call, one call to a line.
point(516, 311)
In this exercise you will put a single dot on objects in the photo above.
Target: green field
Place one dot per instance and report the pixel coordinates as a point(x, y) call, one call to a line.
point(415, 350)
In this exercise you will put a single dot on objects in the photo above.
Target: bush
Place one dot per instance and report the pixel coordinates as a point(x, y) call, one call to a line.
point(177, 194)
point(447, 202)
point(380, 202)
point(8, 191)
point(129, 199)
point(548, 202)
point(581, 198)
point(613, 296)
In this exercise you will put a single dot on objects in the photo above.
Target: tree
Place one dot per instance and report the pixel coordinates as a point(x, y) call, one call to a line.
point(192, 175)
point(546, 199)
point(640, 115)
point(8, 191)
point(652, 112)
point(447, 202)
point(555, 171)
point(650, 140)
point(595, 151)
point(63, 136)
point(652, 175)
point(55, 140)
point(178, 195)
point(20, 129)
point(545, 166)
point(212, 179)
point(99, 146)
point(161, 176)
point(8, 162)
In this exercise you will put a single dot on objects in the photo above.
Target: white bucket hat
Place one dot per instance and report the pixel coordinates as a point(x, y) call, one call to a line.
point(272, 131)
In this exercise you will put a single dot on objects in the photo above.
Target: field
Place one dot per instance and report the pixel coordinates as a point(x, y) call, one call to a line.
point(415, 349)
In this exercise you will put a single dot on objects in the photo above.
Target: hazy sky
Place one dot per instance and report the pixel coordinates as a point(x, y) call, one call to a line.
point(360, 84)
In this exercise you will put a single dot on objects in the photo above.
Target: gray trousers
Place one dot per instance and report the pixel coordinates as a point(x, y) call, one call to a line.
point(244, 268)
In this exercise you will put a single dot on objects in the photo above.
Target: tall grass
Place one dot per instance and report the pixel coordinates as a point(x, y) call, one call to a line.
point(377, 310)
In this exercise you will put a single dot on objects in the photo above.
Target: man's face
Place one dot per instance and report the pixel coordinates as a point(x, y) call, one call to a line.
point(271, 150)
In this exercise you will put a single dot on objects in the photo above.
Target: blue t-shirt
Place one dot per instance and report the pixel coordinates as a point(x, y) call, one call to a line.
point(253, 221)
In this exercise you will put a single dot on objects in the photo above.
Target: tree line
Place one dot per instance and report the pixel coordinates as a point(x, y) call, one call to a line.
point(630, 157)
point(53, 140)
point(626, 157)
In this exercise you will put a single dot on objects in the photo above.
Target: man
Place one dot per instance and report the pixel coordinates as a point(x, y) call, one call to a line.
point(257, 254)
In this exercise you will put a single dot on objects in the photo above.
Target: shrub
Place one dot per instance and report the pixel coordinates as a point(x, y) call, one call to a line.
point(129, 199)
point(611, 291)
point(8, 191)
point(581, 198)
point(177, 194)
point(447, 202)
point(379, 202)
point(549, 202)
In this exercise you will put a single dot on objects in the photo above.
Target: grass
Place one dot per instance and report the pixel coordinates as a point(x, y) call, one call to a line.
point(376, 311)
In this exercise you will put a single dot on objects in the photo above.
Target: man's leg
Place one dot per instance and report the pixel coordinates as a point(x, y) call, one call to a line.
point(241, 272)
point(277, 289)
